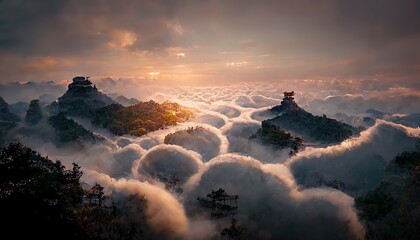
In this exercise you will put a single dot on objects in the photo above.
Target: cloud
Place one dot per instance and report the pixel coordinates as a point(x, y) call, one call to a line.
point(278, 196)
point(359, 163)
point(25, 92)
point(164, 213)
point(393, 100)
point(123, 141)
point(282, 40)
point(93, 26)
point(212, 119)
point(322, 213)
point(165, 160)
point(124, 158)
point(94, 35)
point(238, 133)
point(201, 140)
point(228, 111)
point(134, 87)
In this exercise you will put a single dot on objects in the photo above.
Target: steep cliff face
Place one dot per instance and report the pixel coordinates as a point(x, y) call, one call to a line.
point(34, 113)
point(81, 98)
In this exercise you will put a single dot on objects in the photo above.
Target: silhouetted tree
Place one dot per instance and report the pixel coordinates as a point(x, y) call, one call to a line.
point(38, 195)
point(171, 182)
point(295, 144)
point(43, 200)
point(223, 205)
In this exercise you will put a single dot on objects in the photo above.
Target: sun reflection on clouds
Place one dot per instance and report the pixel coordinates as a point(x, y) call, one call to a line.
point(154, 74)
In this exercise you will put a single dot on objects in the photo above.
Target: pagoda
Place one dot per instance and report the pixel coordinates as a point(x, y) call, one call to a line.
point(81, 83)
point(289, 96)
point(288, 102)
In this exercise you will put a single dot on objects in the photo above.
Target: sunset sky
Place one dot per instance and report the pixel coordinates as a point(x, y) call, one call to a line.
point(209, 41)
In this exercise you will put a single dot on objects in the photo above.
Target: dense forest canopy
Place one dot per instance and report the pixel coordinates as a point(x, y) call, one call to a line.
point(140, 118)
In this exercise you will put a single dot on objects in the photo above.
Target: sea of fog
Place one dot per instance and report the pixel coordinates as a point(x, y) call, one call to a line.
point(276, 197)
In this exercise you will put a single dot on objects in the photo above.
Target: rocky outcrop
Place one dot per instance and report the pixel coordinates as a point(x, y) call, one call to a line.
point(7, 120)
point(5, 115)
point(34, 113)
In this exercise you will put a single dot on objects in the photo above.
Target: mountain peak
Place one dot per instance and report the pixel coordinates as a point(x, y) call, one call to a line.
point(82, 96)
point(81, 84)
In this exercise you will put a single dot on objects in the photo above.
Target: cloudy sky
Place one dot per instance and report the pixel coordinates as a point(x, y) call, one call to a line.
point(205, 41)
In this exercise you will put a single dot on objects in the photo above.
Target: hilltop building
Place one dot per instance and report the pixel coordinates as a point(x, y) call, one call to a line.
point(288, 102)
point(81, 83)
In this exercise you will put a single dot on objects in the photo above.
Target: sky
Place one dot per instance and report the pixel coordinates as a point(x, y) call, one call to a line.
point(211, 41)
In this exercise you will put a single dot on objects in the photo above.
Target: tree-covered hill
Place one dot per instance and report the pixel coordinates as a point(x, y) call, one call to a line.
point(140, 118)
point(317, 128)
point(67, 130)
point(83, 99)
point(277, 138)
point(291, 117)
